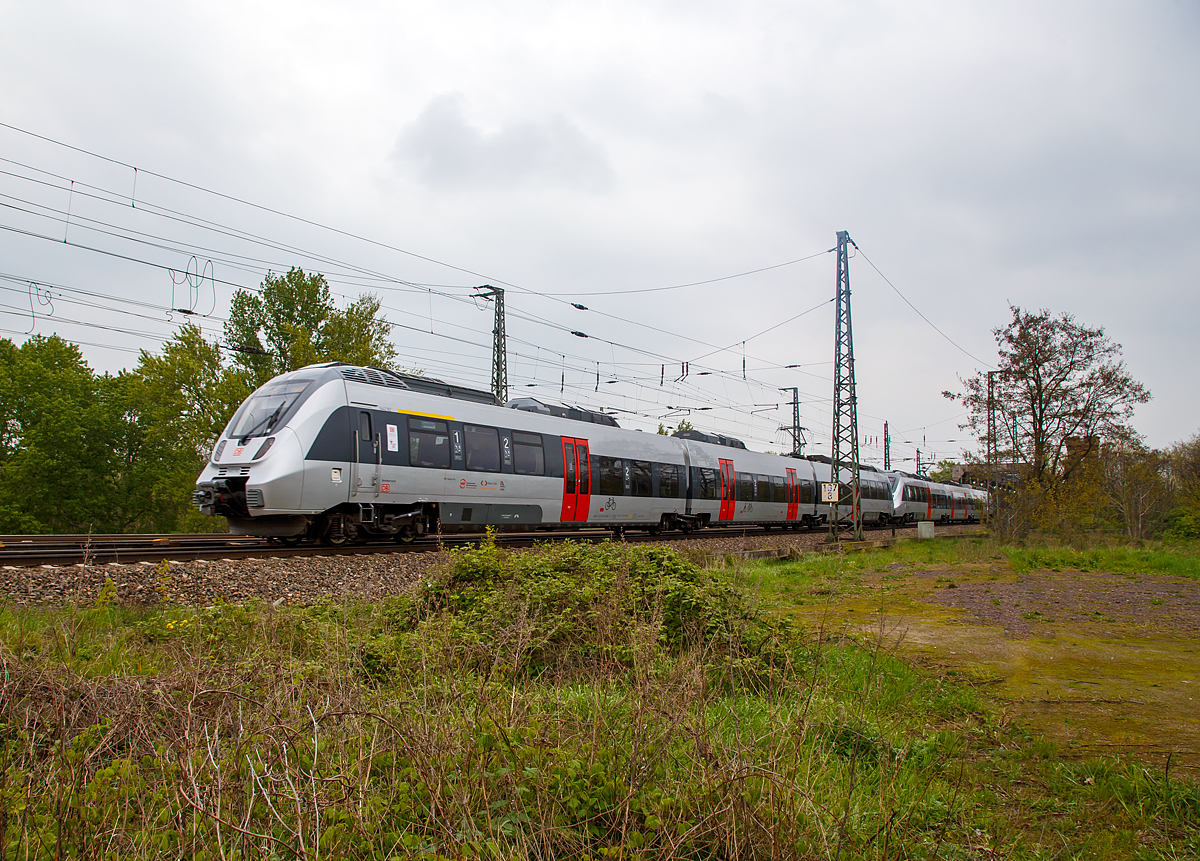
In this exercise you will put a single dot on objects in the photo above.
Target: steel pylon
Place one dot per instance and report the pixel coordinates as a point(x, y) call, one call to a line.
point(845, 402)
point(499, 343)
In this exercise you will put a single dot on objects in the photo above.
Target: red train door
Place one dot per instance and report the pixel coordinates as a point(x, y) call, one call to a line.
point(793, 495)
point(577, 480)
point(583, 501)
point(728, 490)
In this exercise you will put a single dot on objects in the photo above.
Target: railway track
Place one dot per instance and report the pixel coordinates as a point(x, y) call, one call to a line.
point(63, 550)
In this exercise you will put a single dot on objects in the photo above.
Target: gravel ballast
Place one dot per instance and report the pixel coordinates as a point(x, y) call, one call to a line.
point(305, 579)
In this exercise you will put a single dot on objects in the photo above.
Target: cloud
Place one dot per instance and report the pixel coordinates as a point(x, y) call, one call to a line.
point(449, 152)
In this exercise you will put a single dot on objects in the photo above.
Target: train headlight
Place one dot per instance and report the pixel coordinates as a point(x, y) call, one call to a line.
point(219, 449)
point(266, 447)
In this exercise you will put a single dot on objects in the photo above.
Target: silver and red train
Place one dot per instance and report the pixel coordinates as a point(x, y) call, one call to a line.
point(339, 452)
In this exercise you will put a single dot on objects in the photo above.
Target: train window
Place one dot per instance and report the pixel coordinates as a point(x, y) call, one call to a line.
point(808, 492)
point(428, 444)
point(364, 427)
point(268, 409)
point(779, 491)
point(610, 477)
point(641, 484)
point(709, 487)
point(482, 448)
point(745, 487)
point(585, 472)
point(668, 481)
point(764, 488)
point(529, 458)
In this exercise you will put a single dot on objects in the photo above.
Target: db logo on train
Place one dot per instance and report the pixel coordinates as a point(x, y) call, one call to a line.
point(386, 488)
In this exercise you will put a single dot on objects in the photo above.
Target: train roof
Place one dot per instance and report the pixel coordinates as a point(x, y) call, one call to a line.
point(713, 438)
point(397, 380)
point(821, 458)
point(562, 411)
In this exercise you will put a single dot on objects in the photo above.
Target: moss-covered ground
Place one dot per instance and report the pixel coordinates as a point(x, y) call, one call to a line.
point(1098, 651)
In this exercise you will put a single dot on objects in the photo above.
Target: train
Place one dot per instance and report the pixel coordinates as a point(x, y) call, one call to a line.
point(340, 453)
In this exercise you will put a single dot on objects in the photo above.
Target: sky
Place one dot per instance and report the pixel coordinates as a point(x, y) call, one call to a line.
point(1047, 156)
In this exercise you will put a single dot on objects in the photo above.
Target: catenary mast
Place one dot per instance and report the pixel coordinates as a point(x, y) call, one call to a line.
point(845, 401)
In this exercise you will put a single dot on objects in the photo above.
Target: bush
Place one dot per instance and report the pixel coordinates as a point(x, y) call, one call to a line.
point(1183, 523)
point(566, 607)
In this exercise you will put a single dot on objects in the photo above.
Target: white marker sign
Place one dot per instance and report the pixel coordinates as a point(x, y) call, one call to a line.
point(393, 438)
point(829, 491)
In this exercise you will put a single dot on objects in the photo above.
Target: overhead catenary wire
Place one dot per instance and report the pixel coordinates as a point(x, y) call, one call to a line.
point(193, 248)
point(341, 272)
point(920, 314)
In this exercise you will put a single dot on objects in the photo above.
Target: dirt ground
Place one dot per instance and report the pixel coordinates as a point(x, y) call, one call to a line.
point(1101, 663)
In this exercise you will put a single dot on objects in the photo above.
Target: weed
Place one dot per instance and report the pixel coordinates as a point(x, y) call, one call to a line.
point(571, 702)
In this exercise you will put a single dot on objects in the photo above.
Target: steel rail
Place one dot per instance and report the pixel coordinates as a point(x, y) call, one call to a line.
point(66, 550)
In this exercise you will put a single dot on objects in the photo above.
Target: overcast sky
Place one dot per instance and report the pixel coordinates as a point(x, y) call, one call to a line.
point(981, 154)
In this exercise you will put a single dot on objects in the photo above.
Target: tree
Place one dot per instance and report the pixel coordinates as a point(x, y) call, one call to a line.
point(1183, 470)
point(292, 322)
point(944, 471)
point(181, 399)
point(67, 443)
point(684, 425)
point(1060, 389)
point(1135, 484)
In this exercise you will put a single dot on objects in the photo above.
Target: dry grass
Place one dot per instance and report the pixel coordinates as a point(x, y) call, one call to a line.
point(579, 702)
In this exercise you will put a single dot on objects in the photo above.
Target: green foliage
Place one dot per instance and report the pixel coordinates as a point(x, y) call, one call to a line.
point(67, 443)
point(1183, 523)
point(83, 452)
point(180, 398)
point(944, 471)
point(292, 322)
point(568, 608)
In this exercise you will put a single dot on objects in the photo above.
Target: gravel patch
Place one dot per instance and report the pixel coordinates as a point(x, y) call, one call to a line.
point(1110, 604)
point(287, 580)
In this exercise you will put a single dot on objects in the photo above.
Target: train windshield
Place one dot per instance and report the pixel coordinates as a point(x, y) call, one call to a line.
point(267, 409)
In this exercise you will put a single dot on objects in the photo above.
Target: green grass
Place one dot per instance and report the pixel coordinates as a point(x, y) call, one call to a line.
point(575, 702)
point(1177, 561)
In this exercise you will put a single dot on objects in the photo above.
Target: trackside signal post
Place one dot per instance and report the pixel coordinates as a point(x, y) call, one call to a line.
point(845, 401)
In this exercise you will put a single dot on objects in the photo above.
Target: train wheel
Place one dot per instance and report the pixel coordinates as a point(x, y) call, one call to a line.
point(339, 533)
point(405, 535)
point(292, 540)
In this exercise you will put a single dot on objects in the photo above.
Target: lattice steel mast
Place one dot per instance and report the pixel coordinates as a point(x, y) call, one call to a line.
point(845, 401)
point(797, 432)
point(499, 343)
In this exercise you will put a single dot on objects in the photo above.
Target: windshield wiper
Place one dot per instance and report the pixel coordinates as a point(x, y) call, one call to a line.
point(269, 421)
